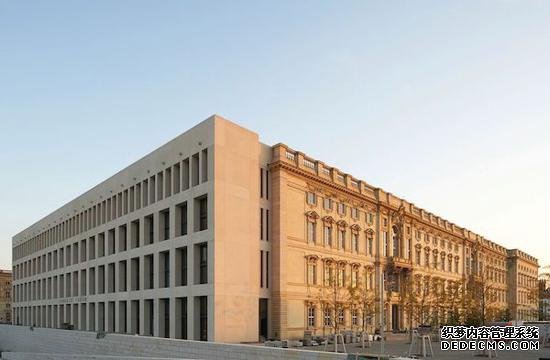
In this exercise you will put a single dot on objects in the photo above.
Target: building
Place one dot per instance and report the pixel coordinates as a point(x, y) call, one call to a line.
point(217, 236)
point(523, 286)
point(5, 296)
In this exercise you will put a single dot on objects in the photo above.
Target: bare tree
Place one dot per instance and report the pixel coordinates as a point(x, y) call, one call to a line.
point(333, 298)
point(362, 298)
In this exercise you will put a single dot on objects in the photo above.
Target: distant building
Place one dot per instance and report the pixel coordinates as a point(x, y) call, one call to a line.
point(5, 296)
point(217, 236)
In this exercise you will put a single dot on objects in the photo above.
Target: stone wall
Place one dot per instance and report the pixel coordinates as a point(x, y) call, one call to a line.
point(21, 339)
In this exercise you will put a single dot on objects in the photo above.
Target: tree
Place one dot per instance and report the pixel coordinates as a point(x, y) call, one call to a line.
point(333, 298)
point(362, 298)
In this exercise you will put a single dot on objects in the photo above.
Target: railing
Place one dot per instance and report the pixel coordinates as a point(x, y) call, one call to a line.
point(308, 163)
point(290, 156)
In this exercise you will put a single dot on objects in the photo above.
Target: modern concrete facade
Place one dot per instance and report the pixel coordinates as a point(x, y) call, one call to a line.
point(5, 296)
point(216, 236)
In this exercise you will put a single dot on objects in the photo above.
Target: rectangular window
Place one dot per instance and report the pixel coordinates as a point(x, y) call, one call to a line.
point(341, 239)
point(164, 269)
point(261, 268)
point(311, 198)
point(149, 229)
point(135, 274)
point(195, 169)
point(326, 318)
point(203, 318)
point(311, 274)
point(385, 242)
point(185, 174)
point(181, 264)
point(327, 235)
point(354, 317)
point(160, 189)
point(370, 245)
point(267, 269)
point(181, 216)
point(122, 238)
point(168, 182)
point(342, 209)
point(149, 272)
point(261, 223)
point(181, 326)
point(355, 242)
point(311, 316)
point(311, 232)
point(201, 213)
point(202, 263)
point(134, 229)
point(261, 183)
point(111, 242)
point(354, 213)
point(152, 190)
point(176, 178)
point(91, 248)
point(341, 277)
point(164, 217)
point(327, 203)
point(204, 167)
point(354, 277)
point(122, 267)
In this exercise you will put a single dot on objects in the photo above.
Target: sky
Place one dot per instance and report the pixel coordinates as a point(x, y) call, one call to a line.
point(443, 103)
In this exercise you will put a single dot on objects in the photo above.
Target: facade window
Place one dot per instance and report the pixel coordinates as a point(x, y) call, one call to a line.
point(165, 224)
point(354, 317)
point(427, 258)
point(354, 213)
point(311, 198)
point(385, 242)
point(456, 265)
point(329, 275)
point(326, 318)
point(341, 277)
point(341, 316)
point(181, 214)
point(341, 209)
point(203, 263)
point(311, 232)
point(327, 203)
point(201, 213)
point(354, 277)
point(327, 235)
point(312, 274)
point(355, 242)
point(342, 239)
point(370, 218)
point(311, 316)
point(436, 263)
point(370, 244)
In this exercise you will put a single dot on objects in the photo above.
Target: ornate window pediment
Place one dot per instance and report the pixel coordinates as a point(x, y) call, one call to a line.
point(355, 228)
point(328, 220)
point(369, 232)
point(342, 224)
point(312, 258)
point(342, 263)
point(312, 216)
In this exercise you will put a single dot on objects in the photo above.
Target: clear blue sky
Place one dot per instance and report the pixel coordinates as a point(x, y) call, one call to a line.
point(444, 103)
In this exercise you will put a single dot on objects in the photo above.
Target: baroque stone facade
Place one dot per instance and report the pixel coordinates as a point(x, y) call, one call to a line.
point(328, 222)
point(5, 296)
point(217, 236)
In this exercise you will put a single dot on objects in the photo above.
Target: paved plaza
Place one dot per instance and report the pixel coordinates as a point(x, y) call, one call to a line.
point(397, 345)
